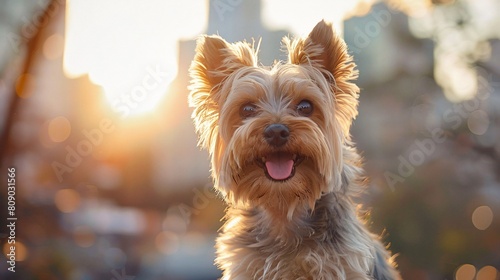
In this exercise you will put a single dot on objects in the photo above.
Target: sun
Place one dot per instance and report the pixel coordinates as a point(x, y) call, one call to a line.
point(129, 48)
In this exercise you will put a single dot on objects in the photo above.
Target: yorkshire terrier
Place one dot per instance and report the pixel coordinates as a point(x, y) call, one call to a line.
point(283, 160)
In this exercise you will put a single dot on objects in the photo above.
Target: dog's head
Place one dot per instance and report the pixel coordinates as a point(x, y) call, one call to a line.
point(276, 136)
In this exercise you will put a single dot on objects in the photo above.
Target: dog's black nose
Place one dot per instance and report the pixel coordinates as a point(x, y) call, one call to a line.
point(276, 134)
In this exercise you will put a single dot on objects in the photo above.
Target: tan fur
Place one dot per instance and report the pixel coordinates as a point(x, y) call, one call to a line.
point(307, 226)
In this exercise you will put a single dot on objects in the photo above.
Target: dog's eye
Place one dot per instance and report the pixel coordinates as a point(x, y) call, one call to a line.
point(248, 111)
point(305, 108)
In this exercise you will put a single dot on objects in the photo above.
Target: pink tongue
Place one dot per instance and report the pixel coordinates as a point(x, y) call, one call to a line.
point(279, 166)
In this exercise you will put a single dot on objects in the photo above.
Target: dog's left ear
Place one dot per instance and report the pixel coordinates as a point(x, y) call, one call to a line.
point(325, 50)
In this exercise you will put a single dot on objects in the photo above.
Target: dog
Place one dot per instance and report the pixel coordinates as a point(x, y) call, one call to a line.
point(283, 159)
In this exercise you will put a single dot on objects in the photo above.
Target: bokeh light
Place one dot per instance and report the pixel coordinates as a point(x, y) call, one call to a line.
point(482, 217)
point(21, 252)
point(478, 122)
point(465, 272)
point(487, 273)
point(458, 80)
point(67, 200)
point(167, 242)
point(59, 129)
point(463, 83)
point(53, 46)
point(174, 223)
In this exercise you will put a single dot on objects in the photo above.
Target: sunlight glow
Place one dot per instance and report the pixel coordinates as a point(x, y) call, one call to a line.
point(129, 48)
point(305, 16)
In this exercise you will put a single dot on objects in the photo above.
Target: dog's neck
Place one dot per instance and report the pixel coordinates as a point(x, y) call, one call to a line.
point(304, 222)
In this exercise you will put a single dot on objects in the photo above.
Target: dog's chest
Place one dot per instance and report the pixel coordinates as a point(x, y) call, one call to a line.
point(308, 260)
point(276, 252)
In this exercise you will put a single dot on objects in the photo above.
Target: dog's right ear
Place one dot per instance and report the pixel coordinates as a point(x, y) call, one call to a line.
point(214, 61)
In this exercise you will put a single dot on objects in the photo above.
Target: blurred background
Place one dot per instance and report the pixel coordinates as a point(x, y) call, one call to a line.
point(111, 185)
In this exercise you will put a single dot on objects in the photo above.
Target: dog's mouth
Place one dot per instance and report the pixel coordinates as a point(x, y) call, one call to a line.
point(280, 166)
